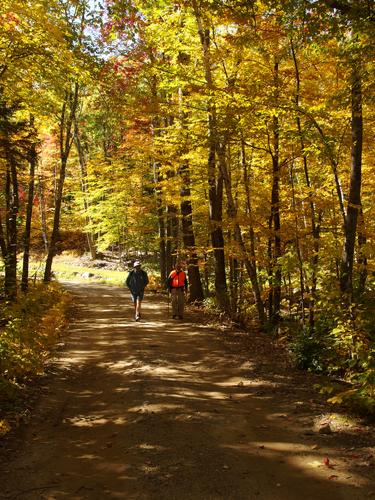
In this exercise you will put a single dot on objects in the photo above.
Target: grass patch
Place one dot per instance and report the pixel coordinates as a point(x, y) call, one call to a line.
point(70, 269)
point(74, 271)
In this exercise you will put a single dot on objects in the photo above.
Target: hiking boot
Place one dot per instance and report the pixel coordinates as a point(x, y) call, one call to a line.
point(137, 318)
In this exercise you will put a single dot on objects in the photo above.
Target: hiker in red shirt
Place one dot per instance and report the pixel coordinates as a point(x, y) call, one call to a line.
point(177, 284)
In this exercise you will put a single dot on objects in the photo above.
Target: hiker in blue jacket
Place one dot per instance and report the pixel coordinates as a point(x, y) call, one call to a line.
point(137, 281)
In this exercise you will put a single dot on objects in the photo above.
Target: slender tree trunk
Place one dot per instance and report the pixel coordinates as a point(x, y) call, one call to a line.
point(29, 212)
point(354, 198)
point(66, 139)
point(42, 212)
point(3, 243)
point(232, 213)
point(298, 248)
point(315, 225)
point(10, 279)
point(252, 256)
point(160, 206)
point(161, 226)
point(275, 245)
point(172, 247)
point(215, 181)
point(56, 222)
point(195, 283)
point(84, 188)
point(362, 259)
point(217, 240)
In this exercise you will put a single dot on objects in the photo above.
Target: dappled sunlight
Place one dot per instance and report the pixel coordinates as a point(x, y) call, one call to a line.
point(238, 381)
point(299, 456)
point(86, 421)
point(88, 457)
point(198, 395)
point(165, 402)
point(152, 447)
point(162, 370)
point(156, 408)
point(120, 365)
point(93, 420)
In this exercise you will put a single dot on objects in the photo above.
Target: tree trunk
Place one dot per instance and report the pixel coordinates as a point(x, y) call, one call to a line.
point(42, 212)
point(298, 248)
point(84, 188)
point(251, 267)
point(362, 259)
point(215, 180)
point(195, 283)
point(274, 221)
point(315, 225)
point(52, 250)
point(162, 228)
point(29, 212)
point(172, 238)
point(66, 140)
point(232, 213)
point(10, 278)
point(354, 198)
point(3, 243)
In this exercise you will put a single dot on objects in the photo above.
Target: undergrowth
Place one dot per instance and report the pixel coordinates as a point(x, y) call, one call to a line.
point(342, 346)
point(30, 328)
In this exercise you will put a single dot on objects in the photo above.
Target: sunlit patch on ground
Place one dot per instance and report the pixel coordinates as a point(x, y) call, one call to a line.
point(155, 408)
point(120, 365)
point(150, 447)
point(149, 469)
point(92, 421)
point(86, 421)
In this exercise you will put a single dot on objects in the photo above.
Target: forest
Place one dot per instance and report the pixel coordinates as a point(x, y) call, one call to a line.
point(234, 135)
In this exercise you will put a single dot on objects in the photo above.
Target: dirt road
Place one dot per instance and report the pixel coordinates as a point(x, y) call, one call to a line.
point(166, 409)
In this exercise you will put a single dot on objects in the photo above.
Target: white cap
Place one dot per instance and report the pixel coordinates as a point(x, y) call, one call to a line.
point(136, 263)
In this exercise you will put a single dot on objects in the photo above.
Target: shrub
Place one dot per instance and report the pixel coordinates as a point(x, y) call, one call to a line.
point(32, 326)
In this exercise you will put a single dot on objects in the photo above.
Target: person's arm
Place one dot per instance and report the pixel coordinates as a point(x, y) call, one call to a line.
point(186, 284)
point(146, 280)
point(168, 284)
point(127, 282)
